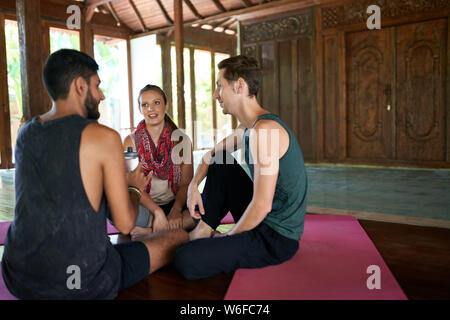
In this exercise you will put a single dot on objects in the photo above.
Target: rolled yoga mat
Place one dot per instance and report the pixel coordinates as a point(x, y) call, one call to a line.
point(333, 262)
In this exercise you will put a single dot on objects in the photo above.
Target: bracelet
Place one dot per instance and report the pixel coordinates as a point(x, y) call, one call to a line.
point(136, 191)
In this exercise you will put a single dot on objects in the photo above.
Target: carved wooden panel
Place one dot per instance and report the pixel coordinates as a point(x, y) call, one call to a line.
point(355, 11)
point(421, 125)
point(331, 95)
point(369, 107)
point(296, 25)
point(283, 47)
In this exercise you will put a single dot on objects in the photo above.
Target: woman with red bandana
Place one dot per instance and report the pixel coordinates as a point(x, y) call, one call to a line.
point(170, 173)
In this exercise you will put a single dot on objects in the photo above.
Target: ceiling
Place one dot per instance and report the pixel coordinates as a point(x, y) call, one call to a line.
point(143, 16)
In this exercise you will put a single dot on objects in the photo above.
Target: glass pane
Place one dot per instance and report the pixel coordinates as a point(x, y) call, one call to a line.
point(224, 122)
point(14, 79)
point(203, 96)
point(145, 68)
point(111, 56)
point(64, 39)
point(187, 89)
point(187, 92)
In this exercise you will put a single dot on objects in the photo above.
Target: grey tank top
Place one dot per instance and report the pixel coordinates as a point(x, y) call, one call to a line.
point(57, 246)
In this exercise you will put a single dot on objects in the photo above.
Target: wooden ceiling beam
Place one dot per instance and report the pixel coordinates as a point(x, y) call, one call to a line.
point(269, 6)
point(113, 12)
point(219, 5)
point(247, 3)
point(164, 12)
point(193, 9)
point(138, 15)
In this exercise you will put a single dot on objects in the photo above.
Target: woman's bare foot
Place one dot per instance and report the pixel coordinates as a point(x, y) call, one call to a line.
point(202, 230)
point(139, 232)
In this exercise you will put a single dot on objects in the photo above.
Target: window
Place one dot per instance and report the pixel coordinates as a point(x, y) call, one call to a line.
point(14, 79)
point(224, 122)
point(146, 68)
point(64, 39)
point(111, 56)
point(187, 90)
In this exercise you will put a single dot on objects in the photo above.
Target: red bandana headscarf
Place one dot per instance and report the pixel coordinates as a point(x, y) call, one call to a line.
point(157, 159)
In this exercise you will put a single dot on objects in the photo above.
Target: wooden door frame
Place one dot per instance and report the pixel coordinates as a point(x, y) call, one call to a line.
point(5, 140)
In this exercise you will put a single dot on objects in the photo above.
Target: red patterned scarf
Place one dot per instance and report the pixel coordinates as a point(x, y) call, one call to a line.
point(157, 159)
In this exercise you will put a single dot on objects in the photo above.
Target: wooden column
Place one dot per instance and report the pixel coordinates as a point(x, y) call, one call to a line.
point(86, 36)
point(166, 64)
point(130, 85)
point(5, 131)
point(193, 97)
point(179, 46)
point(29, 22)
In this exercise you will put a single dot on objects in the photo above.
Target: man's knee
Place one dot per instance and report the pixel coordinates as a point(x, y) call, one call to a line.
point(222, 157)
point(185, 263)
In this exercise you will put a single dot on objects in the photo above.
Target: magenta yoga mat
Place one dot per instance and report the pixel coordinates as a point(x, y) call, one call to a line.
point(336, 260)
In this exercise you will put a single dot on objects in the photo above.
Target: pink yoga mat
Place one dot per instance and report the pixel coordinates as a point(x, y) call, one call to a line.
point(331, 264)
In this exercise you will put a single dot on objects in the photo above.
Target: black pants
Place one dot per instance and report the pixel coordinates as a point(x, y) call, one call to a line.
point(228, 188)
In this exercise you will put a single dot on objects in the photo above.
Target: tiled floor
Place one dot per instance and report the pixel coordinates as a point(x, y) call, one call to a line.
point(392, 194)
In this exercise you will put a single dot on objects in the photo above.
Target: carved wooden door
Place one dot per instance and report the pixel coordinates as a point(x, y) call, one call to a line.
point(369, 88)
point(421, 55)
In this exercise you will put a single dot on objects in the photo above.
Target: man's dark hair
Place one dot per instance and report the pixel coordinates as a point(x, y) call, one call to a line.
point(243, 67)
point(62, 67)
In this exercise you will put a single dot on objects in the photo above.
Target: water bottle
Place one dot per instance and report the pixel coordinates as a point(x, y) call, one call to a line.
point(131, 159)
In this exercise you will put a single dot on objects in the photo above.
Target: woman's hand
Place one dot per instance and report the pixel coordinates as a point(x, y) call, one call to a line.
point(136, 178)
point(194, 198)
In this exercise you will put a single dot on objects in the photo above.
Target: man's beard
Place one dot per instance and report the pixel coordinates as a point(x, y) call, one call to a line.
point(91, 106)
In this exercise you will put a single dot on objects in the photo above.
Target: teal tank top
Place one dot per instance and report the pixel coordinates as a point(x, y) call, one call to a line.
point(287, 216)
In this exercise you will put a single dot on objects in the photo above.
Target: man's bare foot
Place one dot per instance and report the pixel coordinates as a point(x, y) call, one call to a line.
point(139, 232)
point(202, 230)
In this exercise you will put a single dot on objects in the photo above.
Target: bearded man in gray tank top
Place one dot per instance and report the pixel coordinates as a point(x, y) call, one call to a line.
point(70, 173)
point(268, 205)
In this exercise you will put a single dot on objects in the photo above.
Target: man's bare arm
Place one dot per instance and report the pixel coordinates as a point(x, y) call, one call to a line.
point(230, 143)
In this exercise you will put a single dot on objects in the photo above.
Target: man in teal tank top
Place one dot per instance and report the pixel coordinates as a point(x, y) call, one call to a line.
point(268, 205)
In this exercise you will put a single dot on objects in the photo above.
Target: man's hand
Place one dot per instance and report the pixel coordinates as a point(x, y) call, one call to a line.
point(159, 220)
point(194, 198)
point(136, 178)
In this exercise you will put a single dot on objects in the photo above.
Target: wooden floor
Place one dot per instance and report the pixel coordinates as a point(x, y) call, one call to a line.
point(419, 258)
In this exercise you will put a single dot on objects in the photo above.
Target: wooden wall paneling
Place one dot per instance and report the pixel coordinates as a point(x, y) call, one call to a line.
point(307, 118)
point(448, 91)
point(393, 97)
point(28, 18)
point(330, 98)
point(342, 92)
point(284, 83)
point(319, 64)
point(369, 93)
point(295, 87)
point(421, 58)
point(5, 135)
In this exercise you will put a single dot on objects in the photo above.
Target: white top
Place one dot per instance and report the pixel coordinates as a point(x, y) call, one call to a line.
point(161, 192)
